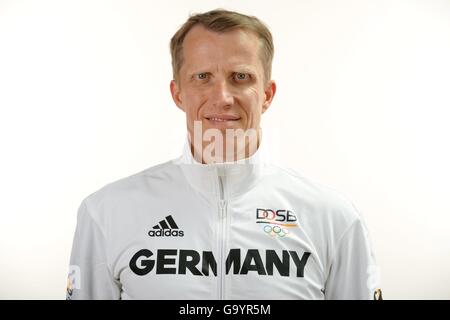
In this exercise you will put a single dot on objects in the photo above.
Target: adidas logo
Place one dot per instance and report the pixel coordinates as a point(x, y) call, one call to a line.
point(166, 228)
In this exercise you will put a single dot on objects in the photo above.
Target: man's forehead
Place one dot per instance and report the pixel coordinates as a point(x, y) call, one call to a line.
point(235, 49)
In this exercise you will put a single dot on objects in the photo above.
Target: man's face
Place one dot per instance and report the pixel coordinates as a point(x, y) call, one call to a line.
point(221, 80)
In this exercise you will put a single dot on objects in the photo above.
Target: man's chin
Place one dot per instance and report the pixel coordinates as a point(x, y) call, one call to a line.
point(222, 125)
point(207, 131)
point(219, 143)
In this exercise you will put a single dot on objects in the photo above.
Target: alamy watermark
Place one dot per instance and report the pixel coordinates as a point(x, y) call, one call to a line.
point(216, 146)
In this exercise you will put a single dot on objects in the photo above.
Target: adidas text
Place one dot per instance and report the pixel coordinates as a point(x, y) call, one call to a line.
point(166, 233)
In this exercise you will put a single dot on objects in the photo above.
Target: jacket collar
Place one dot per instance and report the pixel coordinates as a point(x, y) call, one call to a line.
point(222, 180)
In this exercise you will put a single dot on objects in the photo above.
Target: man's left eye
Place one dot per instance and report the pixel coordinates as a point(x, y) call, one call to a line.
point(202, 76)
point(241, 76)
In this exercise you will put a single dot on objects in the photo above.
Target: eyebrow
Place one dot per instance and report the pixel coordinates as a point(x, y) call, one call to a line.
point(238, 68)
point(245, 69)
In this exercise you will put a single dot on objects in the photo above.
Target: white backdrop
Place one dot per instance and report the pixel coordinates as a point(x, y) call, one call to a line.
point(362, 105)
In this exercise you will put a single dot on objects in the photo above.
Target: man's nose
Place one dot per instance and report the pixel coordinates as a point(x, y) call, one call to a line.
point(221, 94)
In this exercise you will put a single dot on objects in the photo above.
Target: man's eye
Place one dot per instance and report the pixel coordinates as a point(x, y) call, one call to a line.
point(202, 76)
point(241, 76)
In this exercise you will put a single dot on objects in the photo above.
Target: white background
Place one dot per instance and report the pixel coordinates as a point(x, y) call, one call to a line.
point(362, 105)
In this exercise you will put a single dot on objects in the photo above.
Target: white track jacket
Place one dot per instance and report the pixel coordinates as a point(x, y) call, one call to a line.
point(242, 230)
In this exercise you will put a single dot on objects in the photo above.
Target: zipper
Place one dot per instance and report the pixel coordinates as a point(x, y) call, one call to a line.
point(222, 237)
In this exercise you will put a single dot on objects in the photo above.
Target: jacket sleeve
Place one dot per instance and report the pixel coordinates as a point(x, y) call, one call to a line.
point(89, 275)
point(354, 274)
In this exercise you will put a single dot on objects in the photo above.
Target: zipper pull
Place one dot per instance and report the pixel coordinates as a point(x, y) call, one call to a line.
point(222, 204)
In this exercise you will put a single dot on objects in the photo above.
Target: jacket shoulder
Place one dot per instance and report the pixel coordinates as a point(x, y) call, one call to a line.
point(123, 189)
point(322, 198)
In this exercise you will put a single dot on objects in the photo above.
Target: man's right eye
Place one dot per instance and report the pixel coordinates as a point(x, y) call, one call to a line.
point(201, 76)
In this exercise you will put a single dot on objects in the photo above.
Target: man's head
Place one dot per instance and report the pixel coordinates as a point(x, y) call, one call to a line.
point(221, 64)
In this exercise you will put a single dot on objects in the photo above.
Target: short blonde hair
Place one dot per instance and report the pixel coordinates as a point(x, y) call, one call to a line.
point(220, 20)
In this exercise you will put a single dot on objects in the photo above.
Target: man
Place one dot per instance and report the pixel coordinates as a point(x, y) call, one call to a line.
point(220, 222)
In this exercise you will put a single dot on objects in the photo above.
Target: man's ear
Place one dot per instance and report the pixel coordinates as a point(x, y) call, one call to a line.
point(175, 91)
point(269, 92)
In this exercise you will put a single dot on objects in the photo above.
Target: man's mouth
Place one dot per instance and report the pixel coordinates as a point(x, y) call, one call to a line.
point(223, 118)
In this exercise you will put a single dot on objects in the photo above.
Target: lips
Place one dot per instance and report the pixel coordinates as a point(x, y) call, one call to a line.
point(222, 117)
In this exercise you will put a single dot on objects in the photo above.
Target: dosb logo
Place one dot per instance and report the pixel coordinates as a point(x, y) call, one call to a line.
point(270, 216)
point(276, 222)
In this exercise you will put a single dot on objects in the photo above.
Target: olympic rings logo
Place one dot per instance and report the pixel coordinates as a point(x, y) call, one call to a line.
point(275, 231)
